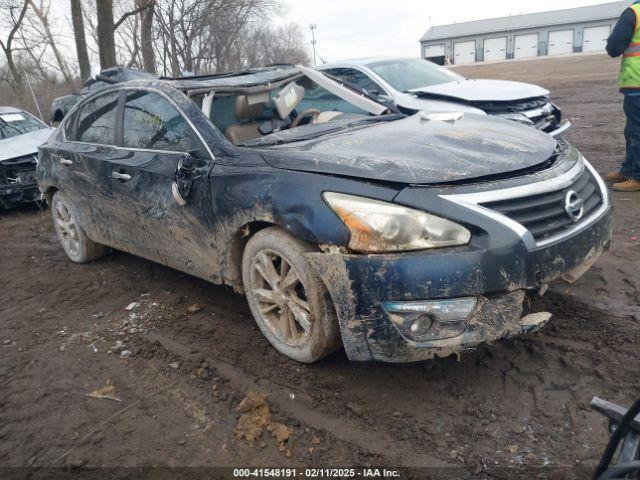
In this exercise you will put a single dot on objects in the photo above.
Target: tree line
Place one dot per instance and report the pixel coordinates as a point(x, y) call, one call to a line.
point(163, 37)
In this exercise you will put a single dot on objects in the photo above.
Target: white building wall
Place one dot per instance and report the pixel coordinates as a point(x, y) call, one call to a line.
point(543, 34)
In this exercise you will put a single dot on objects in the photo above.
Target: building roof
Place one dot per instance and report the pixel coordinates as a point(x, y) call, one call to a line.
point(531, 20)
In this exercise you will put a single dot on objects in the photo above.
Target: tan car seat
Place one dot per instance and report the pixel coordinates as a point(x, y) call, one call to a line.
point(288, 99)
point(248, 129)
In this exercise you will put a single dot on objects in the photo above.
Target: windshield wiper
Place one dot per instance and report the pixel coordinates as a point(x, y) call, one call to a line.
point(265, 141)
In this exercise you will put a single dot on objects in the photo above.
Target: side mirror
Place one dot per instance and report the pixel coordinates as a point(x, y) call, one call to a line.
point(183, 178)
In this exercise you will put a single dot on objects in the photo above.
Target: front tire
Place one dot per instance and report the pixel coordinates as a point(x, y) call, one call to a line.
point(288, 300)
point(78, 247)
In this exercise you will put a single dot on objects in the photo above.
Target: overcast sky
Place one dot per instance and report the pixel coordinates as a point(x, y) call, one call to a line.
point(363, 28)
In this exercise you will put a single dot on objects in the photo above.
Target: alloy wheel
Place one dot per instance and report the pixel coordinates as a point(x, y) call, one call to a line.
point(67, 228)
point(281, 298)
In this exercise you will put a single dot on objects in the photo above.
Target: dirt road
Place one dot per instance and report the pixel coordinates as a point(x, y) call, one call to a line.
point(176, 366)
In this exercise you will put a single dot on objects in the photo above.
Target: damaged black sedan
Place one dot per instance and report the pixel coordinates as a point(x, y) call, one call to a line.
point(400, 237)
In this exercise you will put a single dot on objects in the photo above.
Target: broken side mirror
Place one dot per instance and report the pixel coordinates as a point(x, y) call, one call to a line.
point(183, 177)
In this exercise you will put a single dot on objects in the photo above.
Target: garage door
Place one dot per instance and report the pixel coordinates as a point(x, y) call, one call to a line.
point(434, 51)
point(495, 49)
point(464, 52)
point(526, 46)
point(561, 42)
point(595, 38)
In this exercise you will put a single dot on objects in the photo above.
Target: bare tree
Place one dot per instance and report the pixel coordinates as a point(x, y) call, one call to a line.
point(199, 36)
point(15, 15)
point(80, 39)
point(266, 45)
point(106, 38)
point(105, 34)
point(146, 34)
point(41, 9)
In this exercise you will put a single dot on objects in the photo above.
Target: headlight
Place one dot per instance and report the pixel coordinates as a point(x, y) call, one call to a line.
point(377, 226)
point(517, 117)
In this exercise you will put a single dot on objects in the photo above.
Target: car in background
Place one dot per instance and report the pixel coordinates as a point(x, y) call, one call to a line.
point(109, 76)
point(413, 84)
point(20, 136)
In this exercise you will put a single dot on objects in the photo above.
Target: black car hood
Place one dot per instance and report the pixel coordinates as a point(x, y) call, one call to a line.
point(420, 151)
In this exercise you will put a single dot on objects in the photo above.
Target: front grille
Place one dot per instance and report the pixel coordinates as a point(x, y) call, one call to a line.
point(19, 170)
point(516, 106)
point(542, 114)
point(545, 215)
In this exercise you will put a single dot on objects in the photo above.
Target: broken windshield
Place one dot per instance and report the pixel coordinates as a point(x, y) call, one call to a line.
point(18, 123)
point(308, 99)
point(309, 132)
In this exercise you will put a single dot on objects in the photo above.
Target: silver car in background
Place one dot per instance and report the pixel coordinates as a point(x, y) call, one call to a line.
point(20, 136)
point(412, 84)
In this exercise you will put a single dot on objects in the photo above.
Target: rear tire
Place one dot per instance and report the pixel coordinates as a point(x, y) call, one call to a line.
point(288, 300)
point(78, 247)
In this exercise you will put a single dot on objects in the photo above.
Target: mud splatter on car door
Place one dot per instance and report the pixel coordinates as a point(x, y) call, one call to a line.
point(147, 218)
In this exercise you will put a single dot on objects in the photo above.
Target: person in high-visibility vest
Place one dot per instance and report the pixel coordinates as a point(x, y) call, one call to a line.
point(625, 41)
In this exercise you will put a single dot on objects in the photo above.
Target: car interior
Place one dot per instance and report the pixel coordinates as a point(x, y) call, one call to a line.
point(247, 116)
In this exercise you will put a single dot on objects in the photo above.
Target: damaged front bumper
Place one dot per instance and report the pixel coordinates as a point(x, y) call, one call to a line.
point(18, 183)
point(369, 290)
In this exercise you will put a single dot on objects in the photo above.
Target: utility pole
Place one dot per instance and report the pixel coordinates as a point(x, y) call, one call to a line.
point(313, 28)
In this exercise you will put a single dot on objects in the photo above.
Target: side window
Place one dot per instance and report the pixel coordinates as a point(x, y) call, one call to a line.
point(151, 122)
point(95, 122)
point(357, 78)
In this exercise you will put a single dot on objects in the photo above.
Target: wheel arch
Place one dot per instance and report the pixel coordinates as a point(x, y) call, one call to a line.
point(48, 193)
point(241, 236)
point(58, 115)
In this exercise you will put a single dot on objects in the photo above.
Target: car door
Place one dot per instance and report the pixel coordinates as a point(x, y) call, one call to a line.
point(148, 219)
point(88, 142)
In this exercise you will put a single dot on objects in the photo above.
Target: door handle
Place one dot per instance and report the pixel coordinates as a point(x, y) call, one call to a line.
point(120, 176)
point(66, 161)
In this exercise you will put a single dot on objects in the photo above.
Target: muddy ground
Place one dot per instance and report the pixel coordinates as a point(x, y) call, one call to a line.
point(194, 353)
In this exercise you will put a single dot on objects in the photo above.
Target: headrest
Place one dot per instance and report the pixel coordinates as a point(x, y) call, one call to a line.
point(288, 99)
point(246, 111)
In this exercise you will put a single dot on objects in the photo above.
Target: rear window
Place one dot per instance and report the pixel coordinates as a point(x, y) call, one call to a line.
point(151, 122)
point(96, 120)
point(18, 123)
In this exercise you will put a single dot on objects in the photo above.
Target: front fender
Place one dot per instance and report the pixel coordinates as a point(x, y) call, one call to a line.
point(259, 194)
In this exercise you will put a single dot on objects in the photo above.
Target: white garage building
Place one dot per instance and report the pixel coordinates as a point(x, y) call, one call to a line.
point(574, 30)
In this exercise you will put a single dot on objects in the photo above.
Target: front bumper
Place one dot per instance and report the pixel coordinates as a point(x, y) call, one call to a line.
point(547, 118)
point(361, 284)
point(562, 128)
point(16, 194)
point(18, 183)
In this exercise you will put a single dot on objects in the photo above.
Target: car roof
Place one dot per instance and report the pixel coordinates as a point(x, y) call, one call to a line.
point(242, 79)
point(362, 62)
point(10, 110)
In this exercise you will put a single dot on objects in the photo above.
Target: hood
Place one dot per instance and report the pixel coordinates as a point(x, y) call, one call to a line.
point(420, 151)
point(25, 144)
point(484, 90)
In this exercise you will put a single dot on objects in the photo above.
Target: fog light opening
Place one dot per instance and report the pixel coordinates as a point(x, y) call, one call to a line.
point(421, 325)
point(430, 320)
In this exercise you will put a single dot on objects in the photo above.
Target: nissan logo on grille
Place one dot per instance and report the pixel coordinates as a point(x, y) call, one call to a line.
point(574, 205)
